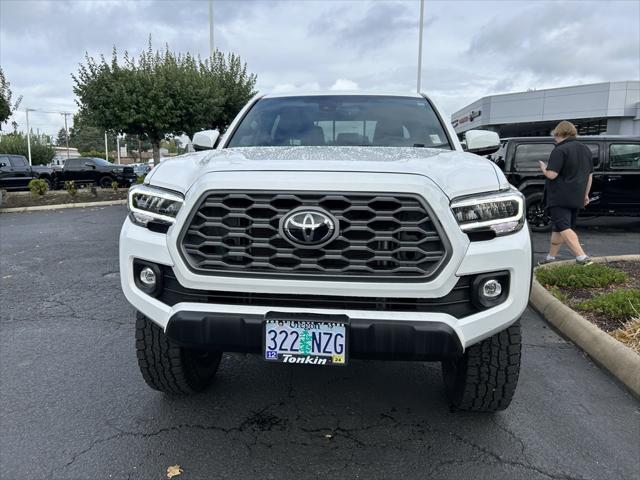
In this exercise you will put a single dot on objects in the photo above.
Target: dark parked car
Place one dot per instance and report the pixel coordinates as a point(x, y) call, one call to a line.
point(16, 173)
point(616, 175)
point(89, 170)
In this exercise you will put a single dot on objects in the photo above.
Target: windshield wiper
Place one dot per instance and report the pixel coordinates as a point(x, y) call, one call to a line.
point(422, 145)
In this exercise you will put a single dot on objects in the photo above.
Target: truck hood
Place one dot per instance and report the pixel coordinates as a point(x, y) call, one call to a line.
point(456, 173)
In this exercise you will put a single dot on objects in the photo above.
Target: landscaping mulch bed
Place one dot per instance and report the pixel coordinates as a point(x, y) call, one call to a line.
point(60, 197)
point(576, 295)
point(605, 294)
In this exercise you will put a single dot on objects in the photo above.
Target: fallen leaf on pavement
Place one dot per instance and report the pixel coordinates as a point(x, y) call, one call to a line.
point(173, 471)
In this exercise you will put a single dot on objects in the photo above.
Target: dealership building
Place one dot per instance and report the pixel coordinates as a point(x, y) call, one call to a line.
point(611, 108)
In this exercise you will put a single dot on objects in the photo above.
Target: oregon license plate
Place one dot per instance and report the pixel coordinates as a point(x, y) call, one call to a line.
point(305, 342)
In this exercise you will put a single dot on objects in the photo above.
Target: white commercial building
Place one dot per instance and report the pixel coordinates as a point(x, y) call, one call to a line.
point(611, 108)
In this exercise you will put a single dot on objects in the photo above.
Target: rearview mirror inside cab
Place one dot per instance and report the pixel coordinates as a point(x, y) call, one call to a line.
point(481, 142)
point(205, 140)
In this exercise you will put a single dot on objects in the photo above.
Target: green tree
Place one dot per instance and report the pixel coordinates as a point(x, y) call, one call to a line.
point(162, 93)
point(6, 107)
point(87, 137)
point(16, 144)
point(61, 139)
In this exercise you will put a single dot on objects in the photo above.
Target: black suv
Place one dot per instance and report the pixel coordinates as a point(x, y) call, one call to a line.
point(616, 175)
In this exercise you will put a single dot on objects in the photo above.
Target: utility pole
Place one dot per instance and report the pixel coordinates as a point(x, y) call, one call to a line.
point(26, 110)
point(420, 46)
point(211, 29)
point(66, 132)
point(106, 147)
point(118, 148)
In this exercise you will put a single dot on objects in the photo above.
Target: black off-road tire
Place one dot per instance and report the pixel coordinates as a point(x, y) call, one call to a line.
point(484, 379)
point(536, 213)
point(168, 367)
point(105, 182)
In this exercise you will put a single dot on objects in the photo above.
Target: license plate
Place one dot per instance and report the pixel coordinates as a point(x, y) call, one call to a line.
point(305, 342)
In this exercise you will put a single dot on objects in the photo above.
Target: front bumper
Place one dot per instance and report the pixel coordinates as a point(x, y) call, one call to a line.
point(381, 339)
point(126, 180)
point(408, 334)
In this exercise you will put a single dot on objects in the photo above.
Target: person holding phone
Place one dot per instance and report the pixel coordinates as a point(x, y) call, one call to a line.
point(569, 174)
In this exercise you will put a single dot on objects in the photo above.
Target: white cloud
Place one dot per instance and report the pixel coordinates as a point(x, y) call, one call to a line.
point(342, 84)
point(471, 48)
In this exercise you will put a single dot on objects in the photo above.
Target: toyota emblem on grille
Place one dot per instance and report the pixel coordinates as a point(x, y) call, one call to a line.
point(307, 227)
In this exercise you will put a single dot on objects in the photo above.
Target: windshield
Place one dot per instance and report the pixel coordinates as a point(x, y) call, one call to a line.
point(341, 120)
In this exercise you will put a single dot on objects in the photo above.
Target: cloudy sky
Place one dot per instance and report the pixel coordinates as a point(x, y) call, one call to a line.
point(471, 49)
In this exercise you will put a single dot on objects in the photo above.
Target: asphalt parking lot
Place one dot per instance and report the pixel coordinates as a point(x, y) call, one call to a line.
point(75, 406)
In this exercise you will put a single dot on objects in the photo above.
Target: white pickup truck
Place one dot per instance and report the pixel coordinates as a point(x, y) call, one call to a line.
point(323, 228)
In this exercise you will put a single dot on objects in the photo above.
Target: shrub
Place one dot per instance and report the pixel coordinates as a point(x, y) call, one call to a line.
point(70, 187)
point(140, 179)
point(580, 276)
point(38, 186)
point(114, 185)
point(621, 304)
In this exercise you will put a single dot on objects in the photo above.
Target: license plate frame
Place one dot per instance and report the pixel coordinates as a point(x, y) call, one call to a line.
point(321, 323)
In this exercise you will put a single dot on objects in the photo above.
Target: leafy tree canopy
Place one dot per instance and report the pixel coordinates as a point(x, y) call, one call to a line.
point(6, 107)
point(61, 138)
point(16, 144)
point(162, 93)
point(87, 137)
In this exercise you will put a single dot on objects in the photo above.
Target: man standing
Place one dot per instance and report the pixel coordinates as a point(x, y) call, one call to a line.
point(569, 176)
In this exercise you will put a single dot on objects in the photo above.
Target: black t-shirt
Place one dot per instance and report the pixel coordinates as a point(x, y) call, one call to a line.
point(573, 162)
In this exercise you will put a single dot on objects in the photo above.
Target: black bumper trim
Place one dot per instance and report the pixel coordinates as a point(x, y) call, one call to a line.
point(375, 339)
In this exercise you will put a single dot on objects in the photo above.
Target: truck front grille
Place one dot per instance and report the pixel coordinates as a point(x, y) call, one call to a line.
point(381, 235)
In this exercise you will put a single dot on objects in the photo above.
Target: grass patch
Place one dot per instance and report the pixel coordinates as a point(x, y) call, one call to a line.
point(579, 276)
point(621, 304)
point(629, 334)
point(559, 294)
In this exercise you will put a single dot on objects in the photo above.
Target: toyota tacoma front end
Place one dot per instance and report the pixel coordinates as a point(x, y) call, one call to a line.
point(326, 228)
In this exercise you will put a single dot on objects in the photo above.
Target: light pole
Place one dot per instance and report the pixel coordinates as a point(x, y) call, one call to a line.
point(66, 132)
point(26, 110)
point(211, 29)
point(420, 46)
point(106, 147)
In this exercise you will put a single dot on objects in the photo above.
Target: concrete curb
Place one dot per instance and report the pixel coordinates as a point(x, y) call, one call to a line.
point(62, 206)
point(620, 360)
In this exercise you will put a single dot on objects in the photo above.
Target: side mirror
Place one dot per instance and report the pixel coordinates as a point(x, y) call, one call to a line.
point(205, 140)
point(481, 142)
point(2, 164)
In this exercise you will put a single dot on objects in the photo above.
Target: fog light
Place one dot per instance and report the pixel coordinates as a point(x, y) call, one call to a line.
point(491, 288)
point(148, 277)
